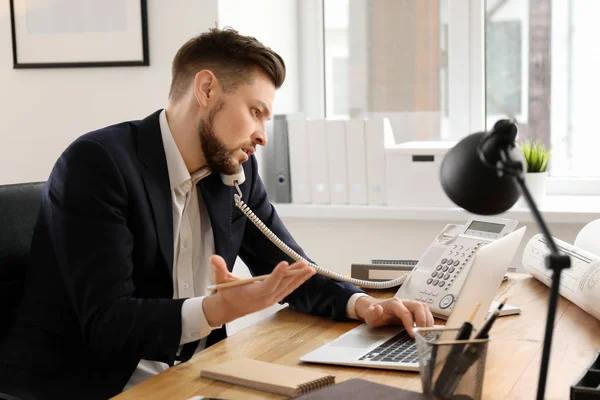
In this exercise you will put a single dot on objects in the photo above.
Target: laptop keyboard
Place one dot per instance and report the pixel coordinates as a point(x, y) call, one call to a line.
point(401, 349)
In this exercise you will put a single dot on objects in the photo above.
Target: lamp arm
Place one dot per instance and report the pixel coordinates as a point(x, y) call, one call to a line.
point(537, 216)
point(514, 168)
point(554, 261)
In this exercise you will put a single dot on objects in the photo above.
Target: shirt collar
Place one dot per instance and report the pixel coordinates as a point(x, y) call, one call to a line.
point(178, 173)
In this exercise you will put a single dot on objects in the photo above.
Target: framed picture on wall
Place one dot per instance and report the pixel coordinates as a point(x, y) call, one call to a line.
point(79, 33)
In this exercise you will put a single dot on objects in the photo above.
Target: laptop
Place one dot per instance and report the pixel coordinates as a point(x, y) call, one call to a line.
point(392, 347)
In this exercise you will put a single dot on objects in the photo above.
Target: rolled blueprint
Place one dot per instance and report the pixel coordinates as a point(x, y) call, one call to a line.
point(580, 284)
point(589, 237)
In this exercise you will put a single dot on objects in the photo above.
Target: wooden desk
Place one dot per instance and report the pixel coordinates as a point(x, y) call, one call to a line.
point(512, 366)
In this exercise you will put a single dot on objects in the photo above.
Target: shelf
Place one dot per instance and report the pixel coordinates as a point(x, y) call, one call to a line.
point(556, 209)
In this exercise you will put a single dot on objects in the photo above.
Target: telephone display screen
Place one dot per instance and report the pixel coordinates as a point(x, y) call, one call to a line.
point(486, 227)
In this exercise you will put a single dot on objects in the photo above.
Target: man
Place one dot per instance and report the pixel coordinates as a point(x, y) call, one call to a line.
point(134, 215)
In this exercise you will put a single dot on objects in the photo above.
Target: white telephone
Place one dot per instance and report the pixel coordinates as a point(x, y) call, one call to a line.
point(450, 245)
point(440, 274)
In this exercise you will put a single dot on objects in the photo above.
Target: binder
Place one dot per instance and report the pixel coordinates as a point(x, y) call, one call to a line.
point(335, 136)
point(299, 161)
point(375, 131)
point(276, 156)
point(357, 162)
point(379, 272)
point(317, 161)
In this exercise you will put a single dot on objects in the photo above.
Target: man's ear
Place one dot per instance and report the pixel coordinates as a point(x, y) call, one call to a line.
point(205, 84)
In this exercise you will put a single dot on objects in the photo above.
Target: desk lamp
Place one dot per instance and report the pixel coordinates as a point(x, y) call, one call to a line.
point(483, 173)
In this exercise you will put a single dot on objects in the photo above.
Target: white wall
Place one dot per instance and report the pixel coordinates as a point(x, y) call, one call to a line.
point(275, 24)
point(43, 110)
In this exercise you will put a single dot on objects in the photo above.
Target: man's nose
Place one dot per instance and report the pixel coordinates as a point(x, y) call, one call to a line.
point(260, 136)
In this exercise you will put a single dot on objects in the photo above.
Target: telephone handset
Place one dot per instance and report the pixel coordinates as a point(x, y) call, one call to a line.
point(440, 274)
point(235, 179)
point(239, 178)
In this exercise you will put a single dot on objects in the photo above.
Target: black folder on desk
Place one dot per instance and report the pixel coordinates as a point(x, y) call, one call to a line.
point(361, 389)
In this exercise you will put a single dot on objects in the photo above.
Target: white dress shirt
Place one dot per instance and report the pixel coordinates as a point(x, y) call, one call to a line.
point(193, 245)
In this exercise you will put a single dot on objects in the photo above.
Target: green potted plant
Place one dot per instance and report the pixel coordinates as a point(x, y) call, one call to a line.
point(537, 157)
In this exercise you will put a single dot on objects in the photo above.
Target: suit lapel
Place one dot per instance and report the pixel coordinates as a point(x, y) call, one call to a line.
point(218, 199)
point(156, 180)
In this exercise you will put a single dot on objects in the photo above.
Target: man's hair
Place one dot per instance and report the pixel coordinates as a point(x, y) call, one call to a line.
point(232, 57)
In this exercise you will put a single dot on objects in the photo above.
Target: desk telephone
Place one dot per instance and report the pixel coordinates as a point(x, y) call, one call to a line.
point(437, 277)
point(440, 274)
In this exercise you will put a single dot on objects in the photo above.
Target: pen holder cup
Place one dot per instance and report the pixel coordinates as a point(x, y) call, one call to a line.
point(451, 369)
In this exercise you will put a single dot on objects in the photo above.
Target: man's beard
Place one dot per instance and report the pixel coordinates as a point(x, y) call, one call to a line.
point(217, 155)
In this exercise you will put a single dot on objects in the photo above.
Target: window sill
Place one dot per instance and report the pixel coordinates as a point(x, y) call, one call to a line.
point(556, 209)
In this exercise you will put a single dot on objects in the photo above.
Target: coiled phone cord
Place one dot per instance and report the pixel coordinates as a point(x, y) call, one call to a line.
point(287, 250)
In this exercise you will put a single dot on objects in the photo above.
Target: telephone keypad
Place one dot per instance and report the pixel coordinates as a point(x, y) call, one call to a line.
point(450, 266)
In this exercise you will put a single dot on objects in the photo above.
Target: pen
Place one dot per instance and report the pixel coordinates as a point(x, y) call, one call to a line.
point(464, 333)
point(249, 280)
point(472, 352)
point(483, 332)
point(467, 359)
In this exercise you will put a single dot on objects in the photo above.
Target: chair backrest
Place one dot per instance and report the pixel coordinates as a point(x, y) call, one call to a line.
point(19, 206)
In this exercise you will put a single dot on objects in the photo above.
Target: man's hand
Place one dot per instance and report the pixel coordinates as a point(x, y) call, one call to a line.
point(235, 302)
point(393, 312)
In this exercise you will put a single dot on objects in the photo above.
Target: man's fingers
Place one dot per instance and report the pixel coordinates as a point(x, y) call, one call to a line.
point(419, 311)
point(430, 320)
point(406, 316)
point(221, 273)
point(299, 265)
point(291, 283)
point(279, 279)
point(422, 319)
point(276, 277)
point(377, 312)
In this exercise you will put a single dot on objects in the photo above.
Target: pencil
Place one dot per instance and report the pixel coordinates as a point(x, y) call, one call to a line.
point(470, 320)
point(240, 282)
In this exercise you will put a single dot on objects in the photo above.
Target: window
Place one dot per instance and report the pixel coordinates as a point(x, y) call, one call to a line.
point(388, 58)
point(442, 69)
point(542, 70)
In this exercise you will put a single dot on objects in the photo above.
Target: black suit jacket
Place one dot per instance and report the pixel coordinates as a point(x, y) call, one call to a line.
point(99, 291)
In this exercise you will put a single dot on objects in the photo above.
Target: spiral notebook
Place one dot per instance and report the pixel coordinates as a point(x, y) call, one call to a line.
point(280, 379)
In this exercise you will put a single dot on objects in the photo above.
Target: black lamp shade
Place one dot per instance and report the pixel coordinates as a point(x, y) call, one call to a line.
point(473, 185)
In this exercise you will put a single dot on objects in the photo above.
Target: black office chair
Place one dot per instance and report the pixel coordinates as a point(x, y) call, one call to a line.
point(19, 206)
